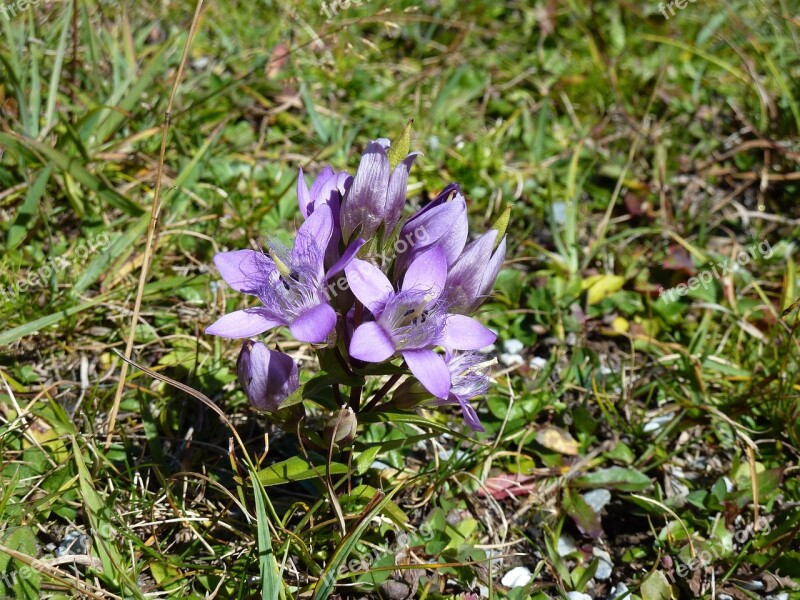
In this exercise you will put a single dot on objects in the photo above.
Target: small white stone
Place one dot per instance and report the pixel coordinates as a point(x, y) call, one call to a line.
point(597, 499)
point(537, 362)
point(510, 360)
point(578, 596)
point(559, 212)
point(724, 597)
point(656, 423)
point(604, 564)
point(619, 591)
point(517, 577)
point(513, 346)
point(566, 545)
point(488, 349)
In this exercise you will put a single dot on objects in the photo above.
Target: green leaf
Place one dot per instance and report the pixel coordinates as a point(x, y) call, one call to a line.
point(585, 518)
point(297, 469)
point(16, 576)
point(26, 216)
point(400, 147)
point(71, 165)
point(327, 578)
point(271, 580)
point(656, 587)
point(617, 478)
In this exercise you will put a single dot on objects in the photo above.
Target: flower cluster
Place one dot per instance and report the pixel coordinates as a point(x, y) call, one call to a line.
point(364, 286)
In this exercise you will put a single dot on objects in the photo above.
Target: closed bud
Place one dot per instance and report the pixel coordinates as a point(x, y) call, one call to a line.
point(410, 394)
point(341, 427)
point(267, 377)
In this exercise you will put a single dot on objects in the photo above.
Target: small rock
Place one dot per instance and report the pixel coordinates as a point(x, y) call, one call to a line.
point(559, 213)
point(72, 544)
point(537, 362)
point(619, 591)
point(604, 564)
point(724, 597)
point(517, 577)
point(578, 596)
point(657, 423)
point(510, 360)
point(488, 349)
point(566, 545)
point(597, 499)
point(513, 346)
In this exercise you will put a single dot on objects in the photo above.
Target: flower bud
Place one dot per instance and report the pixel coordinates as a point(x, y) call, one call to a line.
point(410, 394)
point(267, 377)
point(341, 427)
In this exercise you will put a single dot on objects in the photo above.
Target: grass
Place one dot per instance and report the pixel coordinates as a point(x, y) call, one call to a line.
point(637, 153)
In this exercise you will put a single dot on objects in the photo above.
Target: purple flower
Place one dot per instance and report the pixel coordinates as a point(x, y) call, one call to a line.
point(468, 380)
point(328, 188)
point(473, 274)
point(377, 193)
point(289, 285)
point(441, 223)
point(267, 377)
point(412, 321)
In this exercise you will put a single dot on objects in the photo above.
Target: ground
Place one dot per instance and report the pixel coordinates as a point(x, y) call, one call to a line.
point(643, 426)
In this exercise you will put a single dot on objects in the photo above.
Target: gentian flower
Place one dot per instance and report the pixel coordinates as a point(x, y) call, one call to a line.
point(328, 188)
point(473, 274)
point(378, 192)
point(468, 380)
point(289, 285)
point(444, 222)
point(267, 377)
point(412, 321)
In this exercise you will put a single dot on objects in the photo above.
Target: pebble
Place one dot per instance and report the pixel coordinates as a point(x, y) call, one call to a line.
point(537, 362)
point(597, 499)
point(578, 596)
point(510, 360)
point(517, 577)
point(513, 346)
point(619, 591)
point(604, 564)
point(566, 545)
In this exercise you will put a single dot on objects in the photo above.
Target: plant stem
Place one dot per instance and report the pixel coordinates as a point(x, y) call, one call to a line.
point(381, 393)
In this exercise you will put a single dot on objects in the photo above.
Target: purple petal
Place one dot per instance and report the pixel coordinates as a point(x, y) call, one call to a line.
point(370, 343)
point(303, 196)
point(268, 377)
point(242, 323)
point(470, 416)
point(398, 188)
point(369, 284)
point(445, 225)
point(492, 269)
point(313, 237)
point(349, 254)
point(245, 271)
point(366, 199)
point(314, 325)
point(465, 333)
point(430, 369)
point(325, 180)
point(427, 272)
